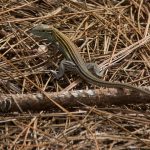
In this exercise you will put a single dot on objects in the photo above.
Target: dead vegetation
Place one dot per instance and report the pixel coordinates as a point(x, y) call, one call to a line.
point(114, 34)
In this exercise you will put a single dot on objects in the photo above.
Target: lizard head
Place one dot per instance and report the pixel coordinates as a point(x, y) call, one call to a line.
point(43, 30)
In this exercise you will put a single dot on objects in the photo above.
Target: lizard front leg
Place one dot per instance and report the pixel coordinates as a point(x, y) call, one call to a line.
point(66, 65)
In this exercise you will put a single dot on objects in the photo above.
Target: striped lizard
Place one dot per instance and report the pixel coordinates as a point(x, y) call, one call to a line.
point(70, 51)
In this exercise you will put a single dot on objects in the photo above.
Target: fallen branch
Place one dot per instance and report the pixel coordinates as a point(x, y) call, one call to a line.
point(70, 99)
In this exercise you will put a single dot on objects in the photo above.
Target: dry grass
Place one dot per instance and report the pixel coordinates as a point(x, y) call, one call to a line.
point(106, 33)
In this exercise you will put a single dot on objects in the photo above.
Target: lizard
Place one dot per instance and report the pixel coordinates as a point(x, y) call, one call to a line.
point(74, 59)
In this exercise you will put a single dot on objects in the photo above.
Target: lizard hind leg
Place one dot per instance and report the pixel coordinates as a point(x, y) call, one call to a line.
point(93, 67)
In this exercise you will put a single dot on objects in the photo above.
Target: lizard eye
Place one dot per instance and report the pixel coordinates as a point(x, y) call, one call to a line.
point(57, 43)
